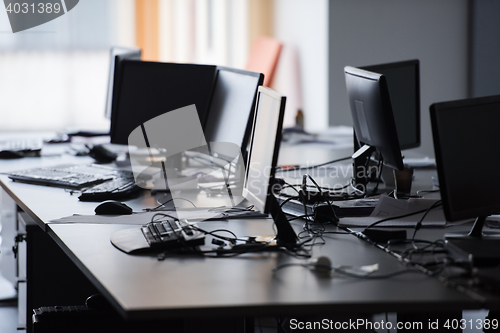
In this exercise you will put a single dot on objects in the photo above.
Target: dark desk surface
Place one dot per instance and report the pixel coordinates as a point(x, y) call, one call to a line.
point(245, 286)
point(142, 286)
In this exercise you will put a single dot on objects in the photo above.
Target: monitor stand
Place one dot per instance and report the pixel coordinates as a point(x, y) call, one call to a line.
point(285, 235)
point(361, 160)
point(477, 247)
point(398, 181)
point(363, 174)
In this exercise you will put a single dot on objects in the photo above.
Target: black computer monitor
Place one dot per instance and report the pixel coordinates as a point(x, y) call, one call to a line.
point(149, 89)
point(263, 153)
point(232, 106)
point(373, 122)
point(117, 55)
point(403, 82)
point(465, 134)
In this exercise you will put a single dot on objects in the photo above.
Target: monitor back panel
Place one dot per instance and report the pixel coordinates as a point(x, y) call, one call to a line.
point(403, 83)
point(372, 114)
point(466, 140)
point(149, 89)
point(232, 106)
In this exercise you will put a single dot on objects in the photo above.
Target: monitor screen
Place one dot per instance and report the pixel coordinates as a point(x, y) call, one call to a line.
point(117, 55)
point(465, 134)
point(372, 115)
point(232, 106)
point(149, 89)
point(403, 82)
point(263, 153)
point(264, 147)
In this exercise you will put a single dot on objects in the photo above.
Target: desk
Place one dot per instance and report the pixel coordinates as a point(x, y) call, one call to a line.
point(142, 287)
point(138, 286)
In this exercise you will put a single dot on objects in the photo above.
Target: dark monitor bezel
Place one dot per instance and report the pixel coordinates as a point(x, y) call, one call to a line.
point(191, 67)
point(450, 214)
point(415, 64)
point(117, 55)
point(244, 145)
point(380, 119)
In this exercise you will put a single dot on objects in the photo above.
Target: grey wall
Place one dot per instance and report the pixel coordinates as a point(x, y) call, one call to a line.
point(485, 51)
point(366, 32)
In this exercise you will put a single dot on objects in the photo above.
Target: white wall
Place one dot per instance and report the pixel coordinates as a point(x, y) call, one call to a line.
point(302, 27)
point(366, 32)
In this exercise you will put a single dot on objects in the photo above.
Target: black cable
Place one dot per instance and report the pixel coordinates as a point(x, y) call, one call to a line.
point(380, 167)
point(419, 223)
point(279, 168)
point(328, 189)
point(287, 200)
point(300, 217)
point(335, 217)
point(345, 273)
point(395, 217)
point(300, 196)
point(166, 202)
point(163, 215)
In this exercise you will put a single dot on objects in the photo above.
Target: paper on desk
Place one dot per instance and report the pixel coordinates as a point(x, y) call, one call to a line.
point(190, 214)
point(388, 207)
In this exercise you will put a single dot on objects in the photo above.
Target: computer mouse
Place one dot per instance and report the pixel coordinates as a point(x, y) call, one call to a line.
point(112, 207)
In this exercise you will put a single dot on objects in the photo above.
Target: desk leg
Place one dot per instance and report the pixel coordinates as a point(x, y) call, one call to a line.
point(52, 278)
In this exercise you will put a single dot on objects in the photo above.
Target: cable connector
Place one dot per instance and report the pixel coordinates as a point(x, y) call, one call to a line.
point(218, 242)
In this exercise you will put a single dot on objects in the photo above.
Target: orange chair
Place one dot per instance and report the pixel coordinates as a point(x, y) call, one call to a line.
point(263, 58)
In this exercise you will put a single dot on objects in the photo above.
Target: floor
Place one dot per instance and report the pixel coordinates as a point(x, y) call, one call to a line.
point(8, 316)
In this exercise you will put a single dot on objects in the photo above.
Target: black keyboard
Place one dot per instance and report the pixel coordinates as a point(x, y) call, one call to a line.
point(22, 147)
point(172, 235)
point(121, 187)
point(97, 182)
point(72, 177)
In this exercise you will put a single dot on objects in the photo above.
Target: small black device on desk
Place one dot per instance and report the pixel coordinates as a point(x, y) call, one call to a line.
point(101, 154)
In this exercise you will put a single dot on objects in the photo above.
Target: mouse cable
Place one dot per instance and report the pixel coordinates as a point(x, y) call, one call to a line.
point(166, 202)
point(160, 215)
